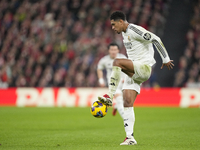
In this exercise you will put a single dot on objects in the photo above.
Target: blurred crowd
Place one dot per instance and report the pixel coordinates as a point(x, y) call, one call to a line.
point(59, 43)
point(188, 74)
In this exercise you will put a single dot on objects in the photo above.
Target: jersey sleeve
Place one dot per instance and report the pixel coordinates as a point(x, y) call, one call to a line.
point(101, 64)
point(141, 34)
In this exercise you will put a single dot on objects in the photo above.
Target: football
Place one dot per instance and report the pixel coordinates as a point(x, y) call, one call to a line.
point(98, 109)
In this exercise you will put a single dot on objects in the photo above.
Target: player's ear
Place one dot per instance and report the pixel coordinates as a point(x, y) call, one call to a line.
point(121, 21)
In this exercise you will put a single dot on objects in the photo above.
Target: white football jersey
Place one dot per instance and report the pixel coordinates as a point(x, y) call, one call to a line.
point(138, 43)
point(106, 63)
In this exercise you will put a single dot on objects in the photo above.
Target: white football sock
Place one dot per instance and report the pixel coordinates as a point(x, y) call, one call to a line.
point(129, 120)
point(114, 80)
point(120, 105)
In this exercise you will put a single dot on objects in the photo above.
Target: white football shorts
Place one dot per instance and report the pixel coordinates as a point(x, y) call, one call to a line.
point(142, 73)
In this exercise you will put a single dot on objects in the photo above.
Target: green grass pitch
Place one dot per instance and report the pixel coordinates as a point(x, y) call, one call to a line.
point(77, 129)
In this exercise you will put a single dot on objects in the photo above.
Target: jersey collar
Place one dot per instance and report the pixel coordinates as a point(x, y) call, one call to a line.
point(127, 28)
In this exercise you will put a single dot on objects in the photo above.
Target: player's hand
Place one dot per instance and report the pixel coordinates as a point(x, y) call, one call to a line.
point(102, 85)
point(101, 82)
point(169, 65)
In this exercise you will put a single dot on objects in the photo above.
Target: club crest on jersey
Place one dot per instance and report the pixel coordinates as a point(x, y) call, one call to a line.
point(147, 36)
point(129, 38)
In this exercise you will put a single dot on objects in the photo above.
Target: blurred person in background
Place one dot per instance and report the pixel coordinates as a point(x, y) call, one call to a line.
point(106, 63)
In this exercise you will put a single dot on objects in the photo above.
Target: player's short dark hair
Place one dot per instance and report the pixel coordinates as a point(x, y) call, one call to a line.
point(117, 15)
point(113, 44)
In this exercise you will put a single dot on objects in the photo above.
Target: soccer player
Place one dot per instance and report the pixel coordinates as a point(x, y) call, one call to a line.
point(106, 63)
point(139, 47)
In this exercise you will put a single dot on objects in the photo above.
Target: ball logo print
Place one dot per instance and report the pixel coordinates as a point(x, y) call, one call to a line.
point(98, 109)
point(100, 113)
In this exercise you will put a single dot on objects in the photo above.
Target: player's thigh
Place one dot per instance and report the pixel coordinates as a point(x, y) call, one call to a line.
point(126, 65)
point(129, 97)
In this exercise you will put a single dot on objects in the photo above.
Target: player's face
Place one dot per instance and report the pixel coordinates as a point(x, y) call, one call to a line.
point(117, 25)
point(113, 51)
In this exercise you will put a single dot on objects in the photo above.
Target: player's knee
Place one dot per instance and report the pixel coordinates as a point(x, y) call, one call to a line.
point(116, 62)
point(128, 102)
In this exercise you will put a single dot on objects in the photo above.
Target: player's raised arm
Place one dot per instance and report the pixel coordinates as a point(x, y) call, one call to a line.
point(142, 34)
point(162, 51)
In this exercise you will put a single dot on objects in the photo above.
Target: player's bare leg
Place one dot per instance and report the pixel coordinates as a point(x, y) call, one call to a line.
point(119, 65)
point(126, 66)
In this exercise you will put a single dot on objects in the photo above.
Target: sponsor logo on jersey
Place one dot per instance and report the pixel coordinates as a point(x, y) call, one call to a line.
point(128, 45)
point(147, 36)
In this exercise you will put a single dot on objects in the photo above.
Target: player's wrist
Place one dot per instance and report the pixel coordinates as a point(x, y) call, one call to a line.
point(166, 60)
point(101, 80)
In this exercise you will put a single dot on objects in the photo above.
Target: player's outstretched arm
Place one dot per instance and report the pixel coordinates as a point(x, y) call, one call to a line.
point(169, 65)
